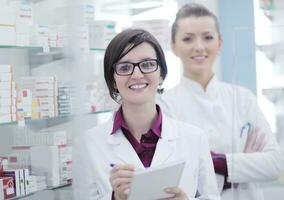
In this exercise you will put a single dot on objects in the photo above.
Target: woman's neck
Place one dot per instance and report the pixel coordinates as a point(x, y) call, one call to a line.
point(203, 78)
point(139, 119)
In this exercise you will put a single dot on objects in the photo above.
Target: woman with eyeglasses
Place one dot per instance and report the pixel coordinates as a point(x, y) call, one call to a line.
point(244, 150)
point(139, 135)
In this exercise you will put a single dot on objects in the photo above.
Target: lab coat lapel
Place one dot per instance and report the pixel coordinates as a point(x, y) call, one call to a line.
point(166, 146)
point(123, 149)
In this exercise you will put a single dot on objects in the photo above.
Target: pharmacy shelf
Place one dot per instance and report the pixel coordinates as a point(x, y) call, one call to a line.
point(271, 50)
point(53, 120)
point(97, 49)
point(48, 188)
point(100, 112)
point(274, 94)
point(19, 47)
point(40, 48)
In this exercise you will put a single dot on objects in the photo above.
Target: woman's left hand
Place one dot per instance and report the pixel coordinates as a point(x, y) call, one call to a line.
point(177, 192)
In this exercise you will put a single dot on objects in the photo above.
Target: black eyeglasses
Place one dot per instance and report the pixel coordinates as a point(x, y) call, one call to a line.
point(127, 68)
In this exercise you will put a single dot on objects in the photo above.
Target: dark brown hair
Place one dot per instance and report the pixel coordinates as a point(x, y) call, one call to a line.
point(193, 10)
point(123, 43)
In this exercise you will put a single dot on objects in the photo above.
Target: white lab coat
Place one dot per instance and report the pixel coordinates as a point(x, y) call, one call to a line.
point(222, 111)
point(97, 148)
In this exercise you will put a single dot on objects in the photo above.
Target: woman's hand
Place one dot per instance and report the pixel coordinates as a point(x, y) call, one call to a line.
point(120, 179)
point(178, 194)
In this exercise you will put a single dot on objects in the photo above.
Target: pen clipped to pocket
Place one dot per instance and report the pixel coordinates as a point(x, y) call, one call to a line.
point(244, 133)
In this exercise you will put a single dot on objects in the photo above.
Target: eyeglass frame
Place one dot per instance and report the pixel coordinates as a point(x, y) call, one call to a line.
point(137, 64)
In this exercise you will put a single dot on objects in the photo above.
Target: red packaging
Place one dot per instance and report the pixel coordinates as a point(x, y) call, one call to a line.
point(7, 187)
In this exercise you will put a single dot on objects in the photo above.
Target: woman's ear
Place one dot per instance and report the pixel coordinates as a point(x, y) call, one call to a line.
point(220, 44)
point(161, 80)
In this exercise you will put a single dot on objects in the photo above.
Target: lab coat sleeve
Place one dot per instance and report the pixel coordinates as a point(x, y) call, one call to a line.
point(86, 185)
point(259, 166)
point(207, 186)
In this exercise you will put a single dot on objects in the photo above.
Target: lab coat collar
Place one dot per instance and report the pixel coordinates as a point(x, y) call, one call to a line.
point(211, 89)
point(165, 147)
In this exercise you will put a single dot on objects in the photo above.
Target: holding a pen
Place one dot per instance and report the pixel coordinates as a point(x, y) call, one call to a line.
point(139, 134)
point(120, 178)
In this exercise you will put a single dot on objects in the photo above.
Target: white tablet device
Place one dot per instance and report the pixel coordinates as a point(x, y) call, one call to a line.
point(149, 184)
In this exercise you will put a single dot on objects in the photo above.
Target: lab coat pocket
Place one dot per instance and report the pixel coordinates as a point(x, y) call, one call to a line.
point(97, 191)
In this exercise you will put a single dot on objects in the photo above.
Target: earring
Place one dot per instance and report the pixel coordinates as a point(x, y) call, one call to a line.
point(160, 90)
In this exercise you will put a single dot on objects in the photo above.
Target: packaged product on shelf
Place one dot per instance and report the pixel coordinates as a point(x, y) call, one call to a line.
point(64, 99)
point(100, 33)
point(7, 13)
point(39, 35)
point(36, 183)
point(19, 158)
point(1, 166)
point(7, 188)
point(54, 161)
point(65, 157)
point(6, 77)
point(7, 101)
point(21, 178)
point(57, 35)
point(23, 34)
point(83, 37)
point(8, 94)
point(7, 35)
point(23, 11)
point(45, 161)
point(6, 68)
point(7, 85)
point(7, 118)
point(44, 94)
point(26, 181)
point(16, 175)
point(7, 24)
point(89, 12)
point(24, 104)
point(39, 138)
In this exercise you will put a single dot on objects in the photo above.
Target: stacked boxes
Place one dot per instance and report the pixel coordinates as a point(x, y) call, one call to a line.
point(7, 24)
point(160, 28)
point(41, 138)
point(7, 95)
point(37, 183)
point(6, 183)
point(64, 100)
point(22, 143)
point(44, 95)
point(101, 33)
point(25, 105)
point(23, 21)
point(88, 12)
point(57, 35)
point(16, 17)
point(46, 154)
point(39, 35)
point(53, 161)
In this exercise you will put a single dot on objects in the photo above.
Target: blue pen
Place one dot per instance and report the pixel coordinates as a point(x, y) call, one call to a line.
point(112, 164)
point(245, 129)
